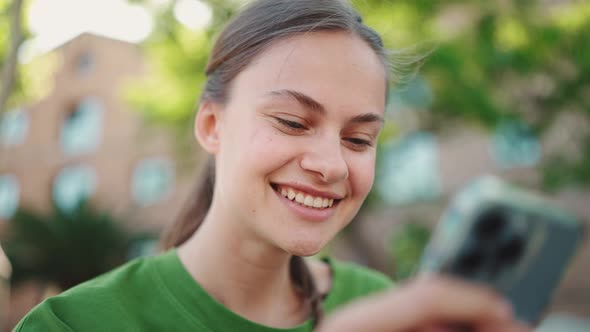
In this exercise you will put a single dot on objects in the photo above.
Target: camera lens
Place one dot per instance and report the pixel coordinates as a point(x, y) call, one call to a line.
point(511, 249)
point(471, 259)
point(490, 223)
point(469, 262)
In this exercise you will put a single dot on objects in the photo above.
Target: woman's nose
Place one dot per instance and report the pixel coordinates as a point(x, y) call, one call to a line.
point(324, 158)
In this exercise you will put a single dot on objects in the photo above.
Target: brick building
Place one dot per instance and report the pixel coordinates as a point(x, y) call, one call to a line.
point(82, 140)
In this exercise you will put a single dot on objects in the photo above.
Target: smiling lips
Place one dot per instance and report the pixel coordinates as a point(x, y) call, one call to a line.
point(305, 199)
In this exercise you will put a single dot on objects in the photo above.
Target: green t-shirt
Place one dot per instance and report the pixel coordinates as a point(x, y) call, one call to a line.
point(158, 294)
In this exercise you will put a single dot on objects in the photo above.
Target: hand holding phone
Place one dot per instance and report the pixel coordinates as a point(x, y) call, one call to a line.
point(507, 238)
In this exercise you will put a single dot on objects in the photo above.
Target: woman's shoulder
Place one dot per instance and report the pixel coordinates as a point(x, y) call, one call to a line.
point(94, 303)
point(363, 279)
point(349, 281)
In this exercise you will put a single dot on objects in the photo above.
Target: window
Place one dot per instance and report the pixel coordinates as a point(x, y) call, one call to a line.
point(142, 247)
point(153, 179)
point(514, 144)
point(9, 196)
point(72, 185)
point(86, 63)
point(82, 129)
point(409, 171)
point(13, 127)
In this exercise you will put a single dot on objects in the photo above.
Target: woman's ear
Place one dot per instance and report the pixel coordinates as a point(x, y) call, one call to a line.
point(207, 126)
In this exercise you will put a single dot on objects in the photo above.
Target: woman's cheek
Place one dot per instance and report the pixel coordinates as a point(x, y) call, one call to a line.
point(269, 146)
point(362, 173)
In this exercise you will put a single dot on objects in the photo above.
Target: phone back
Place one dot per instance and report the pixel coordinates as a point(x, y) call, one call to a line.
point(512, 240)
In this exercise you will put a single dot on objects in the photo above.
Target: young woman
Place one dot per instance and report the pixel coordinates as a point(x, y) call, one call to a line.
point(291, 113)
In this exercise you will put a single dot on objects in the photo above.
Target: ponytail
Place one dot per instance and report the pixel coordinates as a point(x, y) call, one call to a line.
point(195, 210)
point(305, 285)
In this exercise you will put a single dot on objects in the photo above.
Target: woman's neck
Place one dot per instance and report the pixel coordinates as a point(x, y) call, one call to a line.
point(247, 276)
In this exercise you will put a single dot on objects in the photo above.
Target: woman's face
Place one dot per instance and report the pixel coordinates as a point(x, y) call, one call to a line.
point(297, 140)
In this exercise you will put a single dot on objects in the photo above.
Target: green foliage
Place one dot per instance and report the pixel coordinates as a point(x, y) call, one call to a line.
point(406, 246)
point(521, 60)
point(560, 172)
point(177, 59)
point(4, 29)
point(19, 94)
point(178, 73)
point(66, 248)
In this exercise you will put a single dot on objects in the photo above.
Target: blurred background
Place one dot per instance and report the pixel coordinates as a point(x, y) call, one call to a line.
point(97, 154)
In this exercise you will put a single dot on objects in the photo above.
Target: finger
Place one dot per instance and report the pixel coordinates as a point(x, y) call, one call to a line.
point(431, 300)
point(442, 299)
point(514, 326)
point(368, 314)
point(439, 328)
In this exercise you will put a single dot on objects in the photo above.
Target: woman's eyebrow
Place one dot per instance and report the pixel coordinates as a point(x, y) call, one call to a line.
point(309, 103)
point(304, 100)
point(367, 117)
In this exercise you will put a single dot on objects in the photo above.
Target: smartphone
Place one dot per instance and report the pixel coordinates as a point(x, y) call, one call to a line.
point(508, 238)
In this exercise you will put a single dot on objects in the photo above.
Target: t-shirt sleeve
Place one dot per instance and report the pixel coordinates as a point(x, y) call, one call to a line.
point(42, 318)
point(378, 281)
point(352, 281)
point(364, 281)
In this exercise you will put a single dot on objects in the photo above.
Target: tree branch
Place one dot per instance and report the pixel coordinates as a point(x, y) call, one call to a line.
point(9, 71)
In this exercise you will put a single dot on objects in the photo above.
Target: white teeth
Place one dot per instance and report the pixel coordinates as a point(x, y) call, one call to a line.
point(307, 200)
point(299, 198)
point(317, 202)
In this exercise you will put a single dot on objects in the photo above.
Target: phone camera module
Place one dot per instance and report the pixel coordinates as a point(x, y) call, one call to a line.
point(490, 223)
point(511, 249)
point(471, 259)
point(470, 262)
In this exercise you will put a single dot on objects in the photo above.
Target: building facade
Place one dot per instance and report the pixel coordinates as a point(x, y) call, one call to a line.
point(83, 141)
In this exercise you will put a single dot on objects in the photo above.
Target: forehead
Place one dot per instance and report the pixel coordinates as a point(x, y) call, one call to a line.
point(336, 68)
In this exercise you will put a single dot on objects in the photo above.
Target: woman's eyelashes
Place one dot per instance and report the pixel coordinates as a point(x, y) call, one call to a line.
point(359, 143)
point(291, 125)
point(298, 128)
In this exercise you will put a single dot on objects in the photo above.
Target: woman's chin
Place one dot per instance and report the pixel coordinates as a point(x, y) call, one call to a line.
point(304, 247)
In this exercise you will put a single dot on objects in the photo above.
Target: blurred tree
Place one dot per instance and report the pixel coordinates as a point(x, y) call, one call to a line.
point(502, 61)
point(406, 247)
point(11, 37)
point(65, 248)
point(178, 56)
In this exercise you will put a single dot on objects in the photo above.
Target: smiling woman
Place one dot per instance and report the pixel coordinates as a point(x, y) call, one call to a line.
point(290, 113)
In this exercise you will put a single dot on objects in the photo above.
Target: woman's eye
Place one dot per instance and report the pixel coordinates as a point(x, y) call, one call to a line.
point(359, 143)
point(291, 124)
